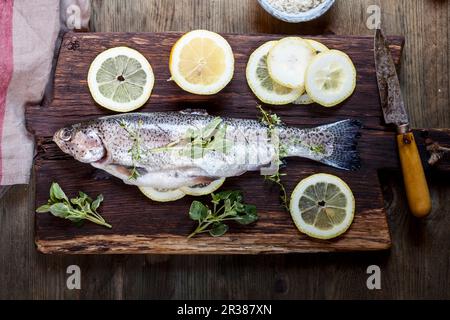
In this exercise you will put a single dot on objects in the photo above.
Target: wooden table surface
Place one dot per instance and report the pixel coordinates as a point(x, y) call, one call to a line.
point(417, 266)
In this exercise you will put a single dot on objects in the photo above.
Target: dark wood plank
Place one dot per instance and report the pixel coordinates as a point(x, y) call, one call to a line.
point(143, 226)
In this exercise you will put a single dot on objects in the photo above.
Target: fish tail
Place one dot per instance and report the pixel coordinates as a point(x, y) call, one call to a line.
point(332, 144)
point(345, 155)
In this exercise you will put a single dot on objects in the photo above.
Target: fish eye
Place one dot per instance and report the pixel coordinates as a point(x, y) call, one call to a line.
point(65, 134)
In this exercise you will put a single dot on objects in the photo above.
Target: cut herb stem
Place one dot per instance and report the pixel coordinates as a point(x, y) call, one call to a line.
point(98, 221)
point(272, 120)
point(135, 151)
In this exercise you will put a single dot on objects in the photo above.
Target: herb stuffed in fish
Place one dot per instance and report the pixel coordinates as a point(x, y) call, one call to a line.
point(169, 150)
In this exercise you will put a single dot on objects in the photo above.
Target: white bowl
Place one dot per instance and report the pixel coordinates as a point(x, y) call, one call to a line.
point(297, 17)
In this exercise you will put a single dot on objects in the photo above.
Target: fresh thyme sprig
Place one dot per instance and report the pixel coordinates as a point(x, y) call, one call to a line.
point(272, 120)
point(135, 150)
point(276, 179)
point(318, 149)
point(269, 119)
point(227, 206)
point(76, 209)
point(196, 142)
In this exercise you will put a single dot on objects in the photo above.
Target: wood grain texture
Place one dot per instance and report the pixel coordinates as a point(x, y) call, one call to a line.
point(416, 267)
point(148, 228)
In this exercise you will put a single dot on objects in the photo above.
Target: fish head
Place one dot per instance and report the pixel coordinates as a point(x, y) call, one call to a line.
point(83, 142)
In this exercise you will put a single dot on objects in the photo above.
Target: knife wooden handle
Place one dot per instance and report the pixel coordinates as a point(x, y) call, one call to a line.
point(415, 182)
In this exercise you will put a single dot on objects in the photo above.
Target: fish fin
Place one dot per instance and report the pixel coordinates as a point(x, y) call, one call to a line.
point(344, 155)
point(123, 172)
point(200, 112)
point(332, 144)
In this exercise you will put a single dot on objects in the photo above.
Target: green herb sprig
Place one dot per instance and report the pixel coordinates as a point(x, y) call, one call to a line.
point(276, 179)
point(196, 142)
point(76, 209)
point(135, 150)
point(226, 206)
point(272, 121)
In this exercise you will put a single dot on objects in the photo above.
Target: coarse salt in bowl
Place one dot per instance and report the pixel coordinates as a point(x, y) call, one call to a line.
point(295, 11)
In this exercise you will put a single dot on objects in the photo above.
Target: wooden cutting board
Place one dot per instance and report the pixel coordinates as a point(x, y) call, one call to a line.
point(143, 226)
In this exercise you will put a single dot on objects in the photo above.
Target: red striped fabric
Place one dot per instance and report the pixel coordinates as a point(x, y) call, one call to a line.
point(6, 61)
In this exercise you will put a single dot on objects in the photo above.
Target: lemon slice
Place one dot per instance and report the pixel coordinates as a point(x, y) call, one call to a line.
point(202, 62)
point(203, 189)
point(304, 99)
point(162, 195)
point(120, 79)
point(322, 206)
point(288, 60)
point(317, 46)
point(331, 78)
point(260, 82)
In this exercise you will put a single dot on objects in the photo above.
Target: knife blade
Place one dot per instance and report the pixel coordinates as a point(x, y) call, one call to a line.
point(394, 112)
point(388, 84)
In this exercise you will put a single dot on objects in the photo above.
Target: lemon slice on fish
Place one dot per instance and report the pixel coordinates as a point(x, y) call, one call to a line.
point(120, 79)
point(163, 195)
point(203, 189)
point(260, 82)
point(288, 60)
point(319, 48)
point(202, 62)
point(331, 78)
point(322, 206)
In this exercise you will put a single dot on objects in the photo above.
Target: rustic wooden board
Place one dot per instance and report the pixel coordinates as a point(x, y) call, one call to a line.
point(142, 226)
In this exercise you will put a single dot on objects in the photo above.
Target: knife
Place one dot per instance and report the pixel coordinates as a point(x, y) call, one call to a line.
point(395, 113)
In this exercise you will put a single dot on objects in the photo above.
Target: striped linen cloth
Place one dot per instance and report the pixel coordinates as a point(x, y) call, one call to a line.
point(28, 34)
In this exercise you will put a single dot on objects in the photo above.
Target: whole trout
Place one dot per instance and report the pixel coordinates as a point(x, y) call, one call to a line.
point(168, 150)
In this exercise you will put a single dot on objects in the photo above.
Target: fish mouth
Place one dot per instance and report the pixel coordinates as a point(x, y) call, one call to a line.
point(55, 136)
point(58, 141)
